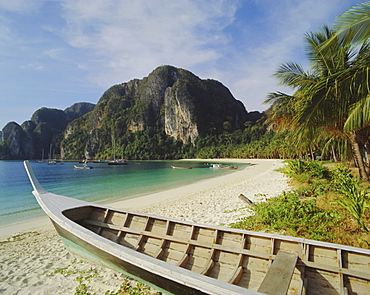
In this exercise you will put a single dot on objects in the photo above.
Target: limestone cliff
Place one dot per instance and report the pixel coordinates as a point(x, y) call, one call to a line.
point(45, 129)
point(169, 103)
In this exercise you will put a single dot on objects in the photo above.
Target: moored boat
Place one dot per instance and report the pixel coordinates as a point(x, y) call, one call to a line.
point(181, 167)
point(179, 257)
point(228, 167)
point(82, 167)
point(118, 162)
point(215, 166)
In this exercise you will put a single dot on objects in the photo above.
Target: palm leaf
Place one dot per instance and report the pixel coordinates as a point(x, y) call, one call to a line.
point(353, 25)
point(359, 116)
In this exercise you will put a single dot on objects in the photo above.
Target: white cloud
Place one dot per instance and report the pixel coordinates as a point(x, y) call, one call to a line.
point(54, 53)
point(33, 66)
point(132, 38)
point(21, 6)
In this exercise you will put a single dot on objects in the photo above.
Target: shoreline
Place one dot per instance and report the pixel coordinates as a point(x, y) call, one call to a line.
point(32, 250)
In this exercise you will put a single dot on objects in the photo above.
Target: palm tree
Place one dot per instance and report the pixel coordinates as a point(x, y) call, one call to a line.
point(325, 97)
point(353, 25)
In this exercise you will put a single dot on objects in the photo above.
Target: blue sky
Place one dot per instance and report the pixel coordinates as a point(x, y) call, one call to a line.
point(55, 53)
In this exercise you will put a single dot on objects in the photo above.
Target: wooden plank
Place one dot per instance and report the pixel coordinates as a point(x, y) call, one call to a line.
point(277, 279)
point(340, 275)
point(185, 241)
point(304, 263)
point(336, 269)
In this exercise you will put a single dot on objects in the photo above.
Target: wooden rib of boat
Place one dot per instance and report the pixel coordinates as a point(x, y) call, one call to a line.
point(181, 167)
point(179, 257)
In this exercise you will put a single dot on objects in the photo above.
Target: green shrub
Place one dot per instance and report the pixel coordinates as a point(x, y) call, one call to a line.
point(351, 197)
point(288, 213)
point(305, 171)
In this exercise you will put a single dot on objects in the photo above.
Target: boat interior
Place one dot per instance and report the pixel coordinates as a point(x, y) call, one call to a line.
point(254, 261)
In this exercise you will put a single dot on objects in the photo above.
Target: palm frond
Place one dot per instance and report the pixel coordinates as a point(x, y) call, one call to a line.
point(292, 75)
point(353, 25)
point(359, 116)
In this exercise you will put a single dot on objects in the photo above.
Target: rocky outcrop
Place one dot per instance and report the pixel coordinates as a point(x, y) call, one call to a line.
point(13, 136)
point(153, 117)
point(170, 100)
point(179, 120)
point(45, 128)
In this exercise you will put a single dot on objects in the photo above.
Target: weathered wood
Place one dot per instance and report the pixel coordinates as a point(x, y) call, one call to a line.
point(246, 200)
point(277, 279)
point(250, 253)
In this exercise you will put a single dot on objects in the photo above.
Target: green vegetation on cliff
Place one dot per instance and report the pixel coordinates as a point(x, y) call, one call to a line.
point(170, 114)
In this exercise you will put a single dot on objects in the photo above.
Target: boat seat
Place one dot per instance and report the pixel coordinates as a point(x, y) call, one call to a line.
point(278, 277)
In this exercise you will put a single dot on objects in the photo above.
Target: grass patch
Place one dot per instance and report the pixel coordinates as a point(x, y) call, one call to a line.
point(329, 205)
point(85, 277)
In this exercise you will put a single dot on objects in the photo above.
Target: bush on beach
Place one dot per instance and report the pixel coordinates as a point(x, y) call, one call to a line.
point(326, 205)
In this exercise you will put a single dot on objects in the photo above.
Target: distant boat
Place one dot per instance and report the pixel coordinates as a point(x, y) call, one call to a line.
point(42, 157)
point(215, 166)
point(98, 161)
point(179, 257)
point(118, 162)
point(82, 167)
point(181, 167)
point(228, 167)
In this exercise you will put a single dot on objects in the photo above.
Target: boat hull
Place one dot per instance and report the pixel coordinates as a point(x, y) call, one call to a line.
point(90, 252)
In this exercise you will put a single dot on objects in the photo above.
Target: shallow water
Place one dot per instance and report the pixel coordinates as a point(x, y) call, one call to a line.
point(100, 184)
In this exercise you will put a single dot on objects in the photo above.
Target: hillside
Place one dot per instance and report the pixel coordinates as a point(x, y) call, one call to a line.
point(154, 117)
point(162, 116)
point(35, 136)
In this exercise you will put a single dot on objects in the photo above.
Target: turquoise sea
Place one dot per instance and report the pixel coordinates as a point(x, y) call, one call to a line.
point(101, 184)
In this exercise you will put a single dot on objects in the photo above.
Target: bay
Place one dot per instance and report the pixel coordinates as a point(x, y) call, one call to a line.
point(103, 183)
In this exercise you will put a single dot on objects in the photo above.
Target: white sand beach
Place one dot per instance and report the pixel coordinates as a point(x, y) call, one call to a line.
point(31, 252)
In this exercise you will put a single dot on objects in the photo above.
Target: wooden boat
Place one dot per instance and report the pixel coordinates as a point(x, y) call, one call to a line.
point(228, 167)
point(82, 167)
point(181, 167)
point(179, 257)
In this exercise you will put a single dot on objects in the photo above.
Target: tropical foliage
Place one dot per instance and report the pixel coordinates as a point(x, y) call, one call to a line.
point(328, 102)
point(326, 204)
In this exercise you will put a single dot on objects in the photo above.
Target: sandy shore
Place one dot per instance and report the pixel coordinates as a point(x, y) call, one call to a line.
point(32, 255)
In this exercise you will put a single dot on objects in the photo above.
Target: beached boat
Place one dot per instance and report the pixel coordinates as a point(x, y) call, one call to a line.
point(179, 257)
point(228, 167)
point(181, 167)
